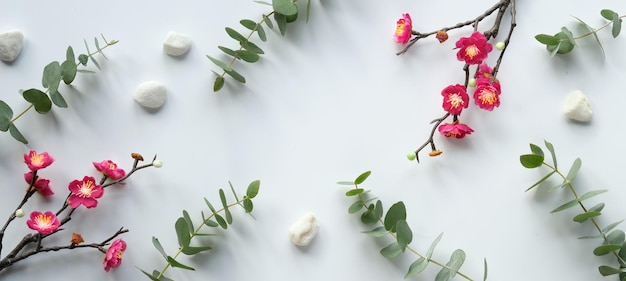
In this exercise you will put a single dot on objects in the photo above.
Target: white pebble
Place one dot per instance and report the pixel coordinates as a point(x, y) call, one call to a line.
point(11, 44)
point(176, 44)
point(577, 107)
point(151, 94)
point(304, 230)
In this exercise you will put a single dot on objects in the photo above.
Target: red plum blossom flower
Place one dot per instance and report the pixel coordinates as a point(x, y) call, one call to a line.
point(110, 169)
point(113, 257)
point(44, 223)
point(36, 161)
point(41, 185)
point(473, 49)
point(455, 98)
point(403, 29)
point(487, 94)
point(84, 192)
point(455, 129)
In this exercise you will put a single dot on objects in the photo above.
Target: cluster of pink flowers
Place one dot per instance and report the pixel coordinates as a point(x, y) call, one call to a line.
point(82, 192)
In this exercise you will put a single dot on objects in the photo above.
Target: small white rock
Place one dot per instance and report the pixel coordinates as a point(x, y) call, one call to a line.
point(577, 107)
point(151, 94)
point(304, 230)
point(11, 44)
point(176, 44)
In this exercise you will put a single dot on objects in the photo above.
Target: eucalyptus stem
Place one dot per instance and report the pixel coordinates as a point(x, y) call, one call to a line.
point(595, 30)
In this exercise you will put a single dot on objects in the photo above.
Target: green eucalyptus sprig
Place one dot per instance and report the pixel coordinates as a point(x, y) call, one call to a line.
point(564, 41)
point(186, 232)
point(53, 74)
point(612, 239)
point(393, 223)
point(284, 12)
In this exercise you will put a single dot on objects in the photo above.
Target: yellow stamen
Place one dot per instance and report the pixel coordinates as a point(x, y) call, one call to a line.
point(472, 51)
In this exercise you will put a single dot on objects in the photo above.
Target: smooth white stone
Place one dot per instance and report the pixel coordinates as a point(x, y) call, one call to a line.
point(577, 107)
point(11, 44)
point(176, 44)
point(151, 94)
point(304, 230)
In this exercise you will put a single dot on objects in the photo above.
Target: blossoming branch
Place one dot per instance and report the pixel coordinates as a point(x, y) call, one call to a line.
point(473, 51)
point(86, 192)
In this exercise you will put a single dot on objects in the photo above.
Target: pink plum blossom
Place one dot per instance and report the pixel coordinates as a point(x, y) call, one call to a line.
point(473, 49)
point(41, 185)
point(487, 94)
point(44, 223)
point(110, 169)
point(403, 29)
point(455, 129)
point(455, 98)
point(36, 161)
point(113, 256)
point(84, 192)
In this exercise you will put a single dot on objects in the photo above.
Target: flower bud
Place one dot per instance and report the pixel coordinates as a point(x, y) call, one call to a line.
point(19, 213)
point(500, 46)
point(411, 156)
point(442, 36)
point(157, 163)
point(435, 152)
point(136, 156)
point(471, 82)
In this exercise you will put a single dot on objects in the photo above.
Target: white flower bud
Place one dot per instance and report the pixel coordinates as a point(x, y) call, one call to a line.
point(19, 213)
point(500, 46)
point(157, 163)
point(471, 82)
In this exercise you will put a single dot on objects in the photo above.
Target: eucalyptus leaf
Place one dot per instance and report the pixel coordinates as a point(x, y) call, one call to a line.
point(547, 39)
point(58, 99)
point(456, 261)
point(247, 205)
point(253, 189)
point(247, 56)
point(606, 270)
point(573, 171)
point(281, 21)
point(234, 74)
point(535, 149)
point(95, 62)
point(5, 110)
point(585, 216)
point(606, 249)
point(232, 189)
point(395, 213)
point(252, 47)
point(616, 237)
point(485, 271)
point(182, 232)
point(218, 84)
point(404, 235)
point(597, 208)
point(531, 161)
point(345, 183)
point(550, 148)
point(219, 63)
point(591, 194)
point(431, 249)
point(4, 123)
point(608, 14)
point(261, 33)
point(82, 59)
point(284, 7)
point(206, 201)
point(354, 192)
point(153, 278)
point(378, 209)
point(593, 32)
point(369, 216)
point(211, 223)
point(69, 54)
point(391, 251)
point(541, 180)
point(569, 35)
point(51, 76)
point(228, 51)
point(355, 207)
point(39, 99)
point(221, 221)
point(188, 221)
point(16, 134)
point(159, 247)
point(235, 35)
point(610, 227)
point(377, 232)
point(249, 24)
point(177, 264)
point(194, 250)
point(268, 21)
point(617, 26)
point(156, 273)
point(362, 177)
point(416, 267)
point(223, 199)
point(566, 206)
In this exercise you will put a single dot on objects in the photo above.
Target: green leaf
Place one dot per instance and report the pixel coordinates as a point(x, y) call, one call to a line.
point(253, 189)
point(182, 231)
point(593, 32)
point(609, 14)
point(175, 263)
point(345, 183)
point(39, 99)
point(376, 232)
point(547, 39)
point(158, 246)
point(485, 271)
point(58, 99)
point(153, 278)
point(261, 33)
point(355, 207)
point(69, 54)
point(536, 149)
point(573, 171)
point(292, 18)
point(566, 206)
point(223, 199)
point(82, 59)
point(591, 194)
point(431, 249)
point(617, 26)
point(252, 47)
point(378, 209)
point(206, 201)
point(456, 261)
point(219, 83)
point(95, 62)
point(564, 46)
point(606, 249)
point(416, 268)
point(228, 51)
point(156, 273)
point(68, 71)
point(194, 250)
point(229, 216)
point(616, 237)
point(220, 220)
point(585, 216)
point(404, 235)
point(541, 180)
point(4, 123)
point(531, 160)
point(234, 74)
point(569, 35)
point(211, 223)
point(247, 56)
point(188, 221)
point(395, 213)
point(611, 227)
point(354, 192)
point(249, 24)
point(606, 270)
point(550, 148)
point(15, 133)
point(281, 21)
point(5, 110)
point(219, 63)
point(553, 49)
point(597, 208)
point(362, 177)
point(284, 7)
point(95, 42)
point(51, 76)
point(622, 252)
point(308, 9)
point(268, 21)
point(235, 35)
point(232, 189)
point(369, 216)
point(247, 205)
point(391, 251)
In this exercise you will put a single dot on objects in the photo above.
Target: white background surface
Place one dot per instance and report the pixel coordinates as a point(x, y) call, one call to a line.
point(328, 101)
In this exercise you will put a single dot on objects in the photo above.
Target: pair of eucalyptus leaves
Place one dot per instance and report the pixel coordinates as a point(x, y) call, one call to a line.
point(564, 41)
point(53, 74)
point(283, 12)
